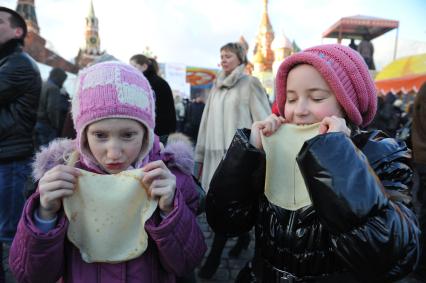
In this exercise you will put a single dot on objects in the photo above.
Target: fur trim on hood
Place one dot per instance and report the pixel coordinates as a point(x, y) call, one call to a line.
point(178, 153)
point(57, 152)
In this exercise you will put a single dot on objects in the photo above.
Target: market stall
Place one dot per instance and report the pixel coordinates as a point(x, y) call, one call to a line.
point(359, 27)
point(404, 75)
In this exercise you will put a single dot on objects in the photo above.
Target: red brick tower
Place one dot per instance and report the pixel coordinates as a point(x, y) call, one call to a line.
point(35, 44)
point(92, 48)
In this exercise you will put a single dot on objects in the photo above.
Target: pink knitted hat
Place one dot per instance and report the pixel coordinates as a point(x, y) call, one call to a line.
point(113, 90)
point(346, 74)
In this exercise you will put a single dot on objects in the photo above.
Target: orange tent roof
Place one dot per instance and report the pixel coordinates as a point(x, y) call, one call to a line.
point(402, 75)
point(359, 26)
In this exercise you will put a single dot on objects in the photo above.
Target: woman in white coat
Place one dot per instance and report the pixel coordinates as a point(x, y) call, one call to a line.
point(235, 101)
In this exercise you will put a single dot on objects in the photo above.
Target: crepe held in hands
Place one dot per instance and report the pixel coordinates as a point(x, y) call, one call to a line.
point(284, 184)
point(107, 215)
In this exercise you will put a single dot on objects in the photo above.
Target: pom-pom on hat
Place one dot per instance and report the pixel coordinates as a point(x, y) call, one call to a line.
point(113, 90)
point(346, 74)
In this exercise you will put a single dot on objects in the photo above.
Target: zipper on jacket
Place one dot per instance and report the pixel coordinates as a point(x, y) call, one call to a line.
point(294, 182)
point(290, 224)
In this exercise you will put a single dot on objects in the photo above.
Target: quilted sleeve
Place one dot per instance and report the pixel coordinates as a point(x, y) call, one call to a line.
point(375, 237)
point(37, 257)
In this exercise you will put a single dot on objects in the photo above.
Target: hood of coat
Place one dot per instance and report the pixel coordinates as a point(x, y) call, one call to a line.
point(178, 153)
point(230, 80)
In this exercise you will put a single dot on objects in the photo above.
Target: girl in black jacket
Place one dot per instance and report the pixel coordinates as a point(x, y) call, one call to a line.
point(344, 217)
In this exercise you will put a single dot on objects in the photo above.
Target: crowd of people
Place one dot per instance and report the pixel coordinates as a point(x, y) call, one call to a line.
point(325, 177)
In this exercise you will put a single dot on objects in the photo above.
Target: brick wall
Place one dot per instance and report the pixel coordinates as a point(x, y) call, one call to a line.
point(35, 46)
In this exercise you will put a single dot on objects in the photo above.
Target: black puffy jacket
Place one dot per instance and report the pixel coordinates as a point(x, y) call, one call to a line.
point(357, 229)
point(20, 86)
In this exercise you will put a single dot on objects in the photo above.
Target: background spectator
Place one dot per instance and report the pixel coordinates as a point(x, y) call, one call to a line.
point(193, 117)
point(235, 101)
point(52, 108)
point(20, 85)
point(353, 44)
point(180, 113)
point(366, 49)
point(165, 114)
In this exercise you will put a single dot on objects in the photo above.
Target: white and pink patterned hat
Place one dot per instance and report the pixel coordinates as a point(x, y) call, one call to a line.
point(113, 90)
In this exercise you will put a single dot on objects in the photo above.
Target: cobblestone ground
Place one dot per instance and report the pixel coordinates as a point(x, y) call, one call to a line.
point(229, 267)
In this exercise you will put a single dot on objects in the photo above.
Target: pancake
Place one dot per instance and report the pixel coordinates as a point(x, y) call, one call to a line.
point(107, 214)
point(284, 184)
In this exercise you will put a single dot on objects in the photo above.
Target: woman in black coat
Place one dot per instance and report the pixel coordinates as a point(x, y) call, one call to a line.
point(165, 114)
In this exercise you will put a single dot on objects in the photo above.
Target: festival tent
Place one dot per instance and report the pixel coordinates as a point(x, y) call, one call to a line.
point(359, 27)
point(404, 75)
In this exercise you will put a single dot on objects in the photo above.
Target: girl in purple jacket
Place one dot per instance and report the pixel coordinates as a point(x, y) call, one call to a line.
point(114, 116)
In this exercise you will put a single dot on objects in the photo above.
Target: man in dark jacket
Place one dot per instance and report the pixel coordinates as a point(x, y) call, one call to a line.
point(52, 108)
point(20, 85)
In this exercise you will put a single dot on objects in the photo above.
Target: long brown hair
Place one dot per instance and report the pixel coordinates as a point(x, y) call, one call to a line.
point(150, 62)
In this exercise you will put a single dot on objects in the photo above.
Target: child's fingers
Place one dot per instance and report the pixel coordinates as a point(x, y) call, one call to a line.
point(272, 124)
point(323, 128)
point(153, 165)
point(150, 176)
point(58, 184)
point(325, 125)
point(51, 200)
point(158, 183)
point(165, 196)
point(61, 172)
point(58, 176)
point(334, 124)
point(58, 194)
point(157, 172)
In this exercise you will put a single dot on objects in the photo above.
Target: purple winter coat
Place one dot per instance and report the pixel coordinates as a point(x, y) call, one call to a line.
point(175, 246)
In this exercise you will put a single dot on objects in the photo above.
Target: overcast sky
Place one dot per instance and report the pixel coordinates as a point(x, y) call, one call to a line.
point(192, 31)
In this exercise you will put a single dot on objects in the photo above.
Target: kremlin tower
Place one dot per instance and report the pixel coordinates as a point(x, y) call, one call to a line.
point(263, 55)
point(269, 52)
point(26, 9)
point(91, 49)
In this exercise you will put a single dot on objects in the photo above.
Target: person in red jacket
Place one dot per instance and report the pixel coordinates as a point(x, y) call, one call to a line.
point(113, 112)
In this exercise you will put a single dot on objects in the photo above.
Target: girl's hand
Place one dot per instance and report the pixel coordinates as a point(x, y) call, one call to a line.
point(55, 184)
point(334, 124)
point(266, 127)
point(161, 183)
